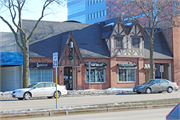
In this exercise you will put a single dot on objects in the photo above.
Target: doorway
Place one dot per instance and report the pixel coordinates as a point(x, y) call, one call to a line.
point(68, 78)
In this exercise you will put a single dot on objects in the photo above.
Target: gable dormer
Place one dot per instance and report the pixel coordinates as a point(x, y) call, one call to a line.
point(127, 40)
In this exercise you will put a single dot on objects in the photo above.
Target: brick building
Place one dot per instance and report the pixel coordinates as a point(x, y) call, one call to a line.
point(118, 52)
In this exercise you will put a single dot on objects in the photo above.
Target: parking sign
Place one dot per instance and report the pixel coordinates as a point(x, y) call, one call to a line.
point(55, 60)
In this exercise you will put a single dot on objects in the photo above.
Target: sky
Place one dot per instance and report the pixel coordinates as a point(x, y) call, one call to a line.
point(32, 11)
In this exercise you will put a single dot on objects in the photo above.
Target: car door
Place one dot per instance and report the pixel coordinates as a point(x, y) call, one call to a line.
point(38, 90)
point(50, 88)
point(164, 84)
point(156, 86)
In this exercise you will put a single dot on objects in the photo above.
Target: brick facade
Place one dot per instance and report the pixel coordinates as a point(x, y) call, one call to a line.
point(176, 54)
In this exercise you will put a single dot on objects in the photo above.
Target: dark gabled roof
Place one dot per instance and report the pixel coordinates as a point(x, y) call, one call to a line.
point(107, 27)
point(50, 37)
point(90, 42)
point(161, 49)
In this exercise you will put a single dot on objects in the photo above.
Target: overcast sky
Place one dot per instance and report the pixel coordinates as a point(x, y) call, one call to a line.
point(32, 11)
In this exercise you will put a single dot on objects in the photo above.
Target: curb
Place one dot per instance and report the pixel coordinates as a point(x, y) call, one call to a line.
point(80, 111)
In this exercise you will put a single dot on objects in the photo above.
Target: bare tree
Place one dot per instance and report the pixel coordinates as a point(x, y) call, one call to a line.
point(15, 8)
point(151, 14)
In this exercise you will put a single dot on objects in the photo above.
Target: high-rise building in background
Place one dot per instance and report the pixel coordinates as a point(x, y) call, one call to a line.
point(92, 11)
point(87, 11)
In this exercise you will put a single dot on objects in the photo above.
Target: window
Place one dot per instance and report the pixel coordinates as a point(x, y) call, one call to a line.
point(99, 14)
point(92, 15)
point(136, 42)
point(127, 75)
point(80, 18)
point(95, 15)
point(41, 85)
point(76, 8)
point(89, 17)
point(41, 76)
point(102, 14)
point(164, 81)
point(119, 41)
point(89, 2)
point(96, 75)
point(157, 82)
point(50, 85)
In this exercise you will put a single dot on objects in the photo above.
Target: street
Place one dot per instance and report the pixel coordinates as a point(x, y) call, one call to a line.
point(150, 114)
point(85, 100)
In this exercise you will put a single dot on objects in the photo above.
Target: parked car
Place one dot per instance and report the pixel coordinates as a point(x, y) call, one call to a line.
point(40, 89)
point(156, 85)
point(174, 114)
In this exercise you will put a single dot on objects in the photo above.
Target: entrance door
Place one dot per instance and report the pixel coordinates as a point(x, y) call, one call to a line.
point(68, 78)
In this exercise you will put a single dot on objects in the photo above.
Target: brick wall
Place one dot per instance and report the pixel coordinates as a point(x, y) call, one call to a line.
point(176, 54)
point(114, 72)
point(96, 85)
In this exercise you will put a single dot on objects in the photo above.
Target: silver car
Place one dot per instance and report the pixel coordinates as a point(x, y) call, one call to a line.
point(156, 85)
point(40, 89)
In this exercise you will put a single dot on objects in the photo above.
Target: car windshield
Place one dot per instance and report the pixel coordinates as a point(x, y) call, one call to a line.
point(148, 82)
point(32, 85)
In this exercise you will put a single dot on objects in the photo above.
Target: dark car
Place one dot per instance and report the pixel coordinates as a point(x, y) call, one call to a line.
point(174, 114)
point(156, 85)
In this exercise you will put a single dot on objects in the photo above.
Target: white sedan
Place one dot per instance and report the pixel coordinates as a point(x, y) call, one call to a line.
point(40, 89)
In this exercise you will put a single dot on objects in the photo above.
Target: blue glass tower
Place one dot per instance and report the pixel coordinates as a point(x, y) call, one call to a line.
point(87, 11)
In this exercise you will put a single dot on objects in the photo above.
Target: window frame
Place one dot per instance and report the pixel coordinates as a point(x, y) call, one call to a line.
point(127, 81)
point(95, 76)
point(115, 41)
point(138, 42)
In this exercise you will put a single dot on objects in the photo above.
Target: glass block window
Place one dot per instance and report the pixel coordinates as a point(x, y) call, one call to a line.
point(96, 75)
point(81, 18)
point(127, 75)
point(41, 76)
point(119, 41)
point(76, 8)
point(136, 42)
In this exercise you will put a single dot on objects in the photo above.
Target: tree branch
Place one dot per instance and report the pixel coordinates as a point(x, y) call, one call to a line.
point(42, 15)
point(15, 34)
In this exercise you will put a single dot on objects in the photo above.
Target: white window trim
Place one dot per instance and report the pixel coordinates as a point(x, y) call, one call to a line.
point(97, 82)
point(127, 81)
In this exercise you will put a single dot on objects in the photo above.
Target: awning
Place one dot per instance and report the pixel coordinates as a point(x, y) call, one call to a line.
point(96, 65)
point(11, 58)
point(147, 66)
point(126, 66)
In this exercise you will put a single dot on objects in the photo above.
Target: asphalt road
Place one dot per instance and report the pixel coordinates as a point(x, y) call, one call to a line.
point(86, 100)
point(150, 114)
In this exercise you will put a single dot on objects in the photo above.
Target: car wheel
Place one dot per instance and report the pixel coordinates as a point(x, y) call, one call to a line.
point(138, 92)
point(49, 97)
point(20, 98)
point(27, 96)
point(148, 91)
point(170, 89)
point(58, 94)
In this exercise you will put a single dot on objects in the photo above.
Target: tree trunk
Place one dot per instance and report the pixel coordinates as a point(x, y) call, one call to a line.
point(25, 68)
point(151, 59)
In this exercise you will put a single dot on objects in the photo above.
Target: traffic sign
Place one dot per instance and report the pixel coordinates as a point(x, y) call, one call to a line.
point(161, 68)
point(55, 60)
